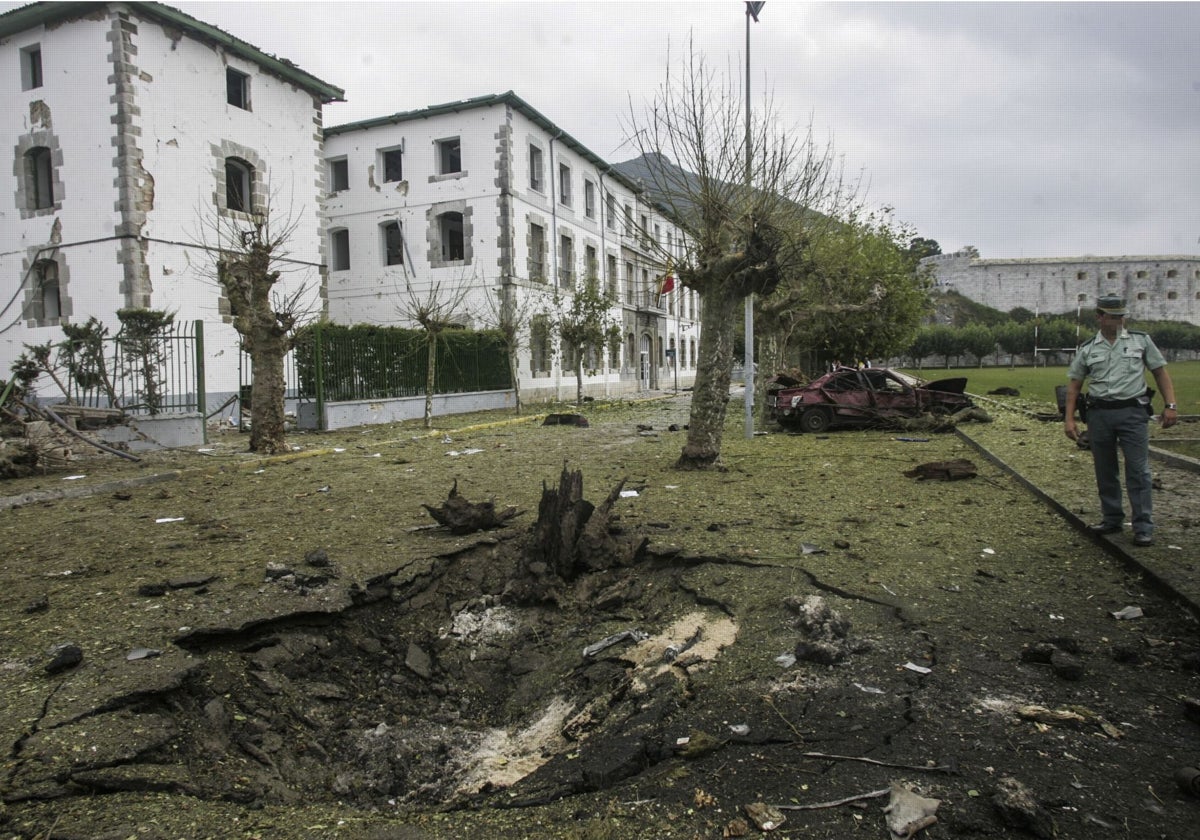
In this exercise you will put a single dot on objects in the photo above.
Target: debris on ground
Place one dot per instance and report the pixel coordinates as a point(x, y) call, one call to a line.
point(908, 812)
point(953, 470)
point(826, 634)
point(464, 517)
point(1017, 806)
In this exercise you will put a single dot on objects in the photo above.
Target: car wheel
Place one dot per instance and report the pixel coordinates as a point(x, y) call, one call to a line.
point(814, 420)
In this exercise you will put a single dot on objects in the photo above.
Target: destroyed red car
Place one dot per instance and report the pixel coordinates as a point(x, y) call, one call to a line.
point(871, 396)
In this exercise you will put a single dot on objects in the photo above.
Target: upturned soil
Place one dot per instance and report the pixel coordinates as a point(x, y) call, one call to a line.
point(207, 644)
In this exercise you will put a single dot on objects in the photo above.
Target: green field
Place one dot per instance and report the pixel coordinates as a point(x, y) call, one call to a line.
point(1038, 383)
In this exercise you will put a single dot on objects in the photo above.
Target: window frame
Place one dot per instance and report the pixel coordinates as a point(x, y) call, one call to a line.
point(395, 153)
point(537, 169)
point(537, 252)
point(447, 151)
point(388, 246)
point(339, 249)
point(32, 73)
point(564, 184)
point(566, 261)
point(245, 171)
point(43, 283)
point(452, 231)
point(339, 166)
point(589, 198)
point(39, 175)
point(237, 87)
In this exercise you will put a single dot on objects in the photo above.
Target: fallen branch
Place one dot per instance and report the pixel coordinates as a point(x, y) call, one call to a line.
point(103, 447)
point(940, 768)
point(875, 794)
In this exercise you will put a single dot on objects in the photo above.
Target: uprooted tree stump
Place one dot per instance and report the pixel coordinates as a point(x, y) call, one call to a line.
point(572, 536)
point(464, 517)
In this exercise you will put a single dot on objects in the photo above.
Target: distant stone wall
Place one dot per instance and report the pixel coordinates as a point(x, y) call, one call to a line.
point(1158, 288)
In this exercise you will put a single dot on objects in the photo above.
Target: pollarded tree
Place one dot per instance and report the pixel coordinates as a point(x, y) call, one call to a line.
point(511, 312)
point(440, 308)
point(249, 259)
point(742, 224)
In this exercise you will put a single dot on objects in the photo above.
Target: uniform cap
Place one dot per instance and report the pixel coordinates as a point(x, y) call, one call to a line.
point(1111, 305)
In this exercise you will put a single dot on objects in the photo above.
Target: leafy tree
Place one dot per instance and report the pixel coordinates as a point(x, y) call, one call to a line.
point(587, 324)
point(945, 342)
point(141, 345)
point(857, 293)
point(978, 341)
point(919, 247)
point(742, 221)
point(1014, 338)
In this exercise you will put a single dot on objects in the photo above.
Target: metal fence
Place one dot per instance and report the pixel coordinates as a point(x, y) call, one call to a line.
point(147, 375)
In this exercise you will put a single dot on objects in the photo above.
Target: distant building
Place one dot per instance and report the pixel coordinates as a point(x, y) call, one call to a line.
point(1158, 288)
point(130, 125)
point(489, 195)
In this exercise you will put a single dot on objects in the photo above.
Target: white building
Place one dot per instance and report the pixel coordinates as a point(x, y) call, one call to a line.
point(487, 194)
point(1157, 288)
point(132, 127)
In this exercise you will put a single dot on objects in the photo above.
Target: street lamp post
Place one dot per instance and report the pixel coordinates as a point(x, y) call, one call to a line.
point(752, 10)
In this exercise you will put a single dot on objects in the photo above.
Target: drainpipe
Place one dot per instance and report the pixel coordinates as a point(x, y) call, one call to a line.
point(554, 256)
point(604, 354)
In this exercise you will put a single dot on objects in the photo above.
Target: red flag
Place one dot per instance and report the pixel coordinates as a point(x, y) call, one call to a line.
point(668, 284)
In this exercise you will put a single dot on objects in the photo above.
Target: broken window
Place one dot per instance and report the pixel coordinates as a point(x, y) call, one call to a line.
point(535, 168)
point(393, 165)
point(47, 294)
point(31, 67)
point(39, 177)
point(564, 184)
point(339, 250)
point(393, 244)
point(239, 183)
point(537, 253)
point(339, 175)
point(449, 157)
point(237, 89)
point(589, 199)
point(450, 228)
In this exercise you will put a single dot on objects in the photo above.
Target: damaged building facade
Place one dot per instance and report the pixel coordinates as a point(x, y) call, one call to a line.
point(488, 196)
point(133, 131)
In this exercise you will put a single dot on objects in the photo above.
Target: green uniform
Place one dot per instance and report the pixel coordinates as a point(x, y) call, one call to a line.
point(1116, 371)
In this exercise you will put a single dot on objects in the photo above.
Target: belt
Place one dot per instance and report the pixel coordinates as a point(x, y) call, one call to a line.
point(1094, 402)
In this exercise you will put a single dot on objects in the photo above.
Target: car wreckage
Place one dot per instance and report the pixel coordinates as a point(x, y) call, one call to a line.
point(864, 396)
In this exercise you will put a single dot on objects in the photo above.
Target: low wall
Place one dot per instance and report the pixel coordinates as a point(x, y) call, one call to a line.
point(342, 415)
point(141, 433)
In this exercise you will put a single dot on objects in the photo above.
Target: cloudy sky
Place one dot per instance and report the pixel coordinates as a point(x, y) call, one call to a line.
point(1024, 129)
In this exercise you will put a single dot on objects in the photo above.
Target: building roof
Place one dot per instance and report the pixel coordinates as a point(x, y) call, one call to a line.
point(42, 14)
point(508, 98)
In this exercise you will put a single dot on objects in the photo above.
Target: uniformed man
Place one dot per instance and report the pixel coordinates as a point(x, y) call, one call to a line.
point(1118, 414)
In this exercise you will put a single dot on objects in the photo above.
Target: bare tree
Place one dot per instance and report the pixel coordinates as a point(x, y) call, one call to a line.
point(249, 259)
point(743, 223)
point(511, 313)
point(440, 308)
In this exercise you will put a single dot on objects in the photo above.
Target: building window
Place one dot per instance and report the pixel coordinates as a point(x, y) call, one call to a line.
point(610, 210)
point(589, 199)
point(611, 291)
point(1141, 275)
point(537, 253)
point(31, 67)
point(393, 165)
point(591, 266)
point(628, 220)
point(450, 231)
point(339, 175)
point(566, 262)
point(629, 283)
point(1081, 275)
point(47, 293)
point(1172, 272)
point(535, 169)
point(339, 250)
point(237, 89)
point(564, 184)
point(1172, 295)
point(239, 185)
point(1080, 298)
point(39, 177)
point(1141, 295)
point(1112, 275)
point(393, 244)
point(539, 345)
point(449, 155)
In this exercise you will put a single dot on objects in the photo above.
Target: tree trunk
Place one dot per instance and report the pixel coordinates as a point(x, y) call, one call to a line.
point(430, 378)
point(514, 372)
point(710, 394)
point(578, 377)
point(267, 388)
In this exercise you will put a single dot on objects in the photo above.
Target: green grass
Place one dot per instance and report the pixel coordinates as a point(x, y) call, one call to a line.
point(1038, 383)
